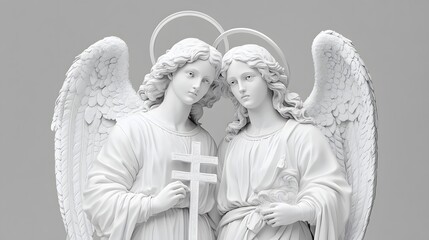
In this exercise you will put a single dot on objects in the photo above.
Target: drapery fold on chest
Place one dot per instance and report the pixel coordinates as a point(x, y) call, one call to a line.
point(256, 163)
point(258, 171)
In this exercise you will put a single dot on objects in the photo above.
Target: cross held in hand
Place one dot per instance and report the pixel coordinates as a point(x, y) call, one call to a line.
point(195, 177)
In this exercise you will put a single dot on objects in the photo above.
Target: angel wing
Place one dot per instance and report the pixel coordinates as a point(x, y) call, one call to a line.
point(96, 92)
point(343, 105)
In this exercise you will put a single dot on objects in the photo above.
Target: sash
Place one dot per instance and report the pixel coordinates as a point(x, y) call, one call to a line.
point(251, 222)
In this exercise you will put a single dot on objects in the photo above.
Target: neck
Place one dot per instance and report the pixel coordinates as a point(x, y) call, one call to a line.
point(264, 119)
point(173, 113)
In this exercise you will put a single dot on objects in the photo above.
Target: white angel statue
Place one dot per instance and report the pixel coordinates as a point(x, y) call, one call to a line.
point(114, 146)
point(280, 176)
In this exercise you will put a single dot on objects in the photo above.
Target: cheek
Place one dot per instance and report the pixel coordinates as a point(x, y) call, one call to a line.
point(263, 93)
point(204, 89)
point(175, 84)
point(234, 91)
point(262, 88)
point(262, 96)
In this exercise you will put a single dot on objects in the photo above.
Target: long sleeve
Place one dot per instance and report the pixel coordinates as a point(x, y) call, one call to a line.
point(221, 158)
point(323, 185)
point(110, 206)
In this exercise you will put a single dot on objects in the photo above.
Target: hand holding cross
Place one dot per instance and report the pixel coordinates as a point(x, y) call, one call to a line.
point(194, 176)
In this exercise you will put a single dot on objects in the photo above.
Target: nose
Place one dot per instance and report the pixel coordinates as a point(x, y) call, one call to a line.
point(241, 87)
point(197, 84)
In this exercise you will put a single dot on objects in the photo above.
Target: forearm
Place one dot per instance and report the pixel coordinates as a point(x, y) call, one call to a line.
point(105, 202)
point(307, 212)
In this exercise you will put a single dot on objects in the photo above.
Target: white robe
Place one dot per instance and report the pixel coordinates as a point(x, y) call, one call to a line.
point(294, 164)
point(133, 166)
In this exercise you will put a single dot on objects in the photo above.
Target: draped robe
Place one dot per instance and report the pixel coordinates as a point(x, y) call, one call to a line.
point(291, 165)
point(132, 167)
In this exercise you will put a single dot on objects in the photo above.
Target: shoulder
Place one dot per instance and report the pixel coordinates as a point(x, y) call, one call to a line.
point(134, 126)
point(305, 132)
point(133, 121)
point(223, 145)
point(206, 135)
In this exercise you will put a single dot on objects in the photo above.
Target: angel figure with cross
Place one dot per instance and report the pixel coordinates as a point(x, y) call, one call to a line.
point(116, 148)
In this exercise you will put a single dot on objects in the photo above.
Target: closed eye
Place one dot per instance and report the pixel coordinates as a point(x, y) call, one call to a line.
point(205, 80)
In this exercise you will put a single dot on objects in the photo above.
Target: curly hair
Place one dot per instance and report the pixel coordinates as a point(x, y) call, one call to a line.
point(186, 51)
point(287, 103)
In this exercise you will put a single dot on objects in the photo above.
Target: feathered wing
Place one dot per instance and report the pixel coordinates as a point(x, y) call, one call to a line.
point(96, 92)
point(343, 105)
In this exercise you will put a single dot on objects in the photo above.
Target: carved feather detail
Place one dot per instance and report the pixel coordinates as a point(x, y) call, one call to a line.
point(343, 106)
point(96, 92)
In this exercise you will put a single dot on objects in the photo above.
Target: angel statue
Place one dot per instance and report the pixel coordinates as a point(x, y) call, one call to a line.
point(114, 146)
point(293, 170)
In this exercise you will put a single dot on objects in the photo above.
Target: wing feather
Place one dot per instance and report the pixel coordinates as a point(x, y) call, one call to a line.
point(96, 92)
point(343, 105)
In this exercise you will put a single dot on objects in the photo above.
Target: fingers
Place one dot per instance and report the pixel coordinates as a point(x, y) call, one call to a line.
point(179, 184)
point(276, 224)
point(176, 198)
point(266, 211)
point(175, 185)
point(268, 216)
point(186, 188)
point(271, 222)
point(179, 191)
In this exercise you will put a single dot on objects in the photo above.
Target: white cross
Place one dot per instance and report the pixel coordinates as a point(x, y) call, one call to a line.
point(195, 177)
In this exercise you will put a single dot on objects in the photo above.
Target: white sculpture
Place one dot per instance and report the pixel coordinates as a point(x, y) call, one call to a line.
point(277, 171)
point(127, 191)
point(195, 177)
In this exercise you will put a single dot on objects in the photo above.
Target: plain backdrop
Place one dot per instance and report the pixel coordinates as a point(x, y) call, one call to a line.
point(39, 40)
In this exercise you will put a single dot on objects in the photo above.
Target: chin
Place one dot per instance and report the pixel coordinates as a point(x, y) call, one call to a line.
point(247, 105)
point(189, 101)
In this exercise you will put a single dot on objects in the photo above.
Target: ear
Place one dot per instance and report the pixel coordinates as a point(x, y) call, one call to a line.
point(170, 76)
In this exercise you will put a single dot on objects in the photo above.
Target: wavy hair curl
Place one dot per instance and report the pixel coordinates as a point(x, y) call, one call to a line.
point(188, 50)
point(287, 103)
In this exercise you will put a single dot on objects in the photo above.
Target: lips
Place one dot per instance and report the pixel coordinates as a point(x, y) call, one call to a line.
point(245, 97)
point(193, 93)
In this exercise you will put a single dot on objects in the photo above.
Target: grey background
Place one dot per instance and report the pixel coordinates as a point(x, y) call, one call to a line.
point(39, 41)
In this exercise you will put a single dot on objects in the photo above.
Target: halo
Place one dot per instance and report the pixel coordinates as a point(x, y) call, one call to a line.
point(224, 35)
point(178, 15)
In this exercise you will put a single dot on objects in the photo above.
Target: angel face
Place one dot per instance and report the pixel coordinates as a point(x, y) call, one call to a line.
point(192, 81)
point(247, 85)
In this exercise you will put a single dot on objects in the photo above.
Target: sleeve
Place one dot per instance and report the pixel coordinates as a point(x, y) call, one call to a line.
point(215, 214)
point(222, 149)
point(111, 207)
point(221, 157)
point(322, 185)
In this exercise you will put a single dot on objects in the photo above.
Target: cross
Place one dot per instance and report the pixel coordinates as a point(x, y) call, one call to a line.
point(195, 177)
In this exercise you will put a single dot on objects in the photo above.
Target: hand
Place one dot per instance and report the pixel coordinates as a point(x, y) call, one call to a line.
point(169, 196)
point(279, 214)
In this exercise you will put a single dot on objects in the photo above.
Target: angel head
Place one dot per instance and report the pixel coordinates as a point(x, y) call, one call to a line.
point(206, 63)
point(251, 75)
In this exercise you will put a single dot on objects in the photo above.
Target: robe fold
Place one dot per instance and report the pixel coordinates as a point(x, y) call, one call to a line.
point(132, 167)
point(291, 165)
